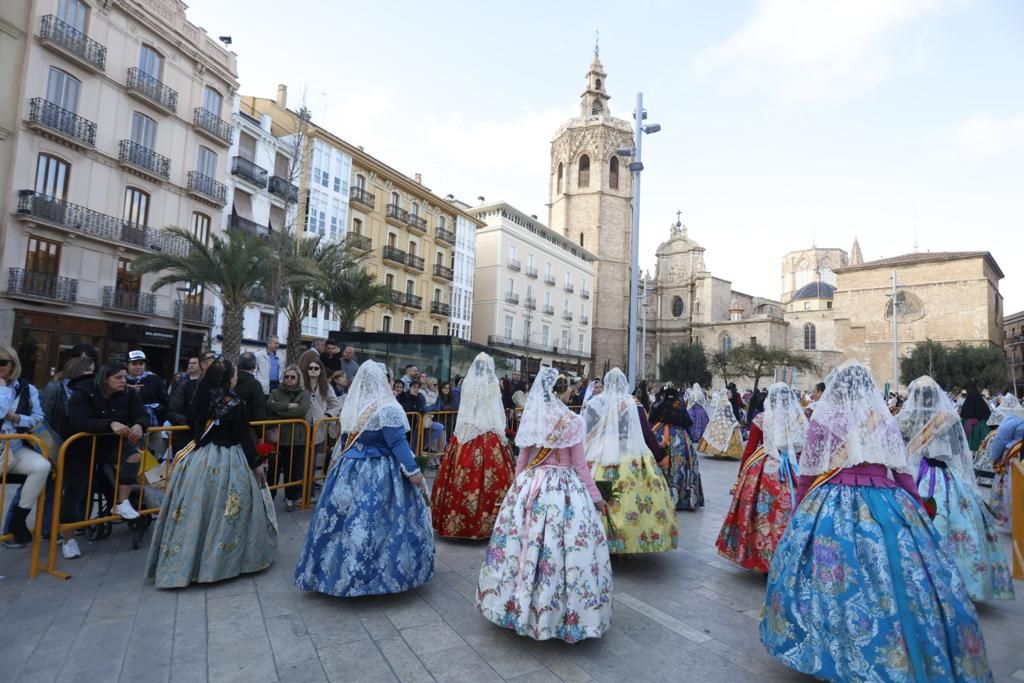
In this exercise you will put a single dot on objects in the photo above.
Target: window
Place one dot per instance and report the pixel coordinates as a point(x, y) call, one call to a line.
point(547, 270)
point(529, 261)
point(201, 228)
point(212, 101)
point(753, 341)
point(357, 226)
point(395, 199)
point(583, 177)
point(726, 343)
point(545, 333)
point(561, 172)
point(52, 177)
point(143, 130)
point(266, 326)
point(439, 259)
point(440, 222)
point(511, 286)
point(613, 173)
point(407, 327)
point(581, 342)
point(547, 298)
point(206, 162)
point(62, 90)
point(414, 209)
point(136, 206)
point(437, 295)
point(361, 181)
point(385, 325)
point(908, 307)
point(568, 279)
point(389, 280)
point(526, 331)
point(338, 174)
point(810, 337)
point(510, 322)
point(595, 108)
point(73, 12)
point(126, 281)
point(436, 330)
point(247, 146)
point(581, 238)
point(529, 292)
point(392, 239)
point(512, 252)
point(410, 287)
point(677, 306)
point(412, 248)
point(42, 257)
point(565, 339)
point(151, 62)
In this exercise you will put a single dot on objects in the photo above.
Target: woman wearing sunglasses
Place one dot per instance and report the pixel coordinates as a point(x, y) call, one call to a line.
point(322, 403)
point(290, 402)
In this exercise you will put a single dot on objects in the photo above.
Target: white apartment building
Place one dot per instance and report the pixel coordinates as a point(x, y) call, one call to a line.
point(262, 199)
point(532, 290)
point(464, 269)
point(119, 135)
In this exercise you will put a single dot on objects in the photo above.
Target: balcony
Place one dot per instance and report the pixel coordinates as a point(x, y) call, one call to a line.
point(416, 223)
point(584, 320)
point(195, 313)
point(530, 303)
point(585, 293)
point(25, 283)
point(406, 299)
point(549, 309)
point(413, 262)
point(236, 222)
point(144, 161)
point(394, 254)
point(567, 316)
point(282, 188)
point(61, 124)
point(443, 272)
point(531, 272)
point(569, 287)
point(212, 126)
point(361, 196)
point(512, 298)
point(514, 264)
point(440, 308)
point(549, 280)
point(145, 87)
point(39, 208)
point(446, 236)
point(129, 301)
point(358, 242)
point(206, 189)
point(516, 343)
point(247, 170)
point(64, 38)
point(396, 215)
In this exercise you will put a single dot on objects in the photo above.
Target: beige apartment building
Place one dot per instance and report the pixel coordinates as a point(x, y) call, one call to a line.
point(118, 135)
point(407, 231)
point(533, 291)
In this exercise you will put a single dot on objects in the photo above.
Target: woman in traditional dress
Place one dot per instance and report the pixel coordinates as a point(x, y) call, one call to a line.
point(370, 532)
point(619, 447)
point(945, 480)
point(1004, 446)
point(860, 587)
point(722, 438)
point(477, 467)
point(764, 495)
point(1006, 404)
point(974, 414)
point(217, 520)
point(679, 465)
point(697, 402)
point(547, 573)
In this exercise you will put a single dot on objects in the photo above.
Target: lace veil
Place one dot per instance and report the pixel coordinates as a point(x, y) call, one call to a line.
point(370, 405)
point(613, 424)
point(697, 396)
point(1007, 405)
point(851, 425)
point(931, 427)
point(480, 407)
point(721, 423)
point(546, 421)
point(782, 422)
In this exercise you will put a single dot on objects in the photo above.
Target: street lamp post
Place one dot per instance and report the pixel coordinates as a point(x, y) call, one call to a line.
point(182, 291)
point(635, 166)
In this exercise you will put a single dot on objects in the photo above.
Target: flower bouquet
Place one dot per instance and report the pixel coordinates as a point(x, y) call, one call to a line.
point(263, 452)
point(610, 495)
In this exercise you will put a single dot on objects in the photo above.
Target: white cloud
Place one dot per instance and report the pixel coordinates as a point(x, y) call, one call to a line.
point(805, 50)
point(986, 137)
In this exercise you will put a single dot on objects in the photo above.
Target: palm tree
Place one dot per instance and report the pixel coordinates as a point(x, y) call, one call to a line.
point(307, 270)
point(352, 292)
point(232, 267)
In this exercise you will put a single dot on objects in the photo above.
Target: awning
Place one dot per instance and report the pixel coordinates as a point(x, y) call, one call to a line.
point(243, 205)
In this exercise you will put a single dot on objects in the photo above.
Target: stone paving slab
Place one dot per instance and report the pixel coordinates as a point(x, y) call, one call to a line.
point(681, 615)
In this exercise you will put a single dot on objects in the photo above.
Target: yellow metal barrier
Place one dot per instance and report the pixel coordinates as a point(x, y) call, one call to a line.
point(37, 530)
point(324, 424)
point(275, 469)
point(1017, 516)
point(446, 418)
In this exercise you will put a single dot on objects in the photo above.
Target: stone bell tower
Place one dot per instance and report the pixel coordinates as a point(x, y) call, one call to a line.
point(591, 193)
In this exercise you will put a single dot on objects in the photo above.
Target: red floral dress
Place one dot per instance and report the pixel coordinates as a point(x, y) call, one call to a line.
point(470, 485)
point(762, 504)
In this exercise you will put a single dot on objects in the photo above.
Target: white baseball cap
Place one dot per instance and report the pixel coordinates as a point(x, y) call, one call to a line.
point(136, 355)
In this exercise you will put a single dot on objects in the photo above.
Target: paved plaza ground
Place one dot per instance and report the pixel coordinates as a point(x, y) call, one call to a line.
point(681, 616)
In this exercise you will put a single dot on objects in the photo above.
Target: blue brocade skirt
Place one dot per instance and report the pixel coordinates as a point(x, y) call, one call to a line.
point(860, 589)
point(370, 533)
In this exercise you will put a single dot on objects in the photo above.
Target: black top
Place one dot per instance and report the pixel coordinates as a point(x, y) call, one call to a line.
point(231, 428)
point(331, 364)
point(179, 404)
point(249, 390)
point(151, 389)
point(89, 411)
point(975, 407)
point(671, 410)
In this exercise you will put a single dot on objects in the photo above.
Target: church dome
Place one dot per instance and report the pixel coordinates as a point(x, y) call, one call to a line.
point(814, 290)
point(678, 242)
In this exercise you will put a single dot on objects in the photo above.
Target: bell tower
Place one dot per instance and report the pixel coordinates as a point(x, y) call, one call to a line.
point(590, 202)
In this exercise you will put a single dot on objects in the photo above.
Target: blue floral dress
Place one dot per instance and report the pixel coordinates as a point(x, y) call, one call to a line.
point(370, 533)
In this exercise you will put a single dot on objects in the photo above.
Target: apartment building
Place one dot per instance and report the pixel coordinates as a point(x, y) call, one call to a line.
point(1013, 341)
point(460, 322)
point(407, 232)
point(532, 290)
point(263, 199)
point(119, 136)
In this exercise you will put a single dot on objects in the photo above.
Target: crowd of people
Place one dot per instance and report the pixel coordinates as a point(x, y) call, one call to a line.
point(862, 509)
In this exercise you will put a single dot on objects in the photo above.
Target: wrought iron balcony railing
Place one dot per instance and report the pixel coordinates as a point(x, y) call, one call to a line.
point(196, 313)
point(443, 235)
point(83, 47)
point(130, 300)
point(512, 298)
point(584, 320)
point(360, 242)
point(152, 89)
point(549, 309)
point(443, 272)
point(397, 213)
point(237, 222)
point(567, 315)
point(585, 293)
point(531, 272)
point(440, 308)
point(42, 285)
point(44, 113)
point(549, 280)
point(283, 189)
point(515, 264)
point(531, 303)
point(216, 127)
point(415, 222)
point(244, 168)
point(144, 159)
point(207, 187)
point(360, 195)
point(394, 254)
point(415, 262)
point(406, 299)
point(569, 287)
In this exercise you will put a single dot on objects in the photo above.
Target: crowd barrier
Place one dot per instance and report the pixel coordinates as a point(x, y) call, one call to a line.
point(1017, 516)
point(9, 478)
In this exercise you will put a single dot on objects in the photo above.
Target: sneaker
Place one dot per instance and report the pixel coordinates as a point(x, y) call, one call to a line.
point(125, 510)
point(289, 505)
point(13, 545)
point(71, 550)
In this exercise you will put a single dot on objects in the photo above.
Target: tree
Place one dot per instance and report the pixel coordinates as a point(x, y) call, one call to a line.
point(685, 365)
point(307, 271)
point(351, 292)
point(756, 361)
point(956, 367)
point(719, 361)
point(232, 266)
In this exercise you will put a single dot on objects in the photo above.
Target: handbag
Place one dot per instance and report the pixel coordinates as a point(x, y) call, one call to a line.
point(151, 470)
point(50, 438)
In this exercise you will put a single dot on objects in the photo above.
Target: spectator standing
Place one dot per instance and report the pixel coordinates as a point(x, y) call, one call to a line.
point(21, 411)
point(322, 403)
point(290, 402)
point(409, 375)
point(269, 364)
point(179, 403)
point(348, 363)
point(248, 388)
point(331, 358)
point(153, 392)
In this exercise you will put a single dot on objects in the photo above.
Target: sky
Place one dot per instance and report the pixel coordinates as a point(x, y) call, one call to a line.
point(785, 123)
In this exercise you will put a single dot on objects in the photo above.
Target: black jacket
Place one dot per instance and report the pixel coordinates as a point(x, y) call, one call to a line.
point(179, 403)
point(151, 389)
point(249, 390)
point(89, 411)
